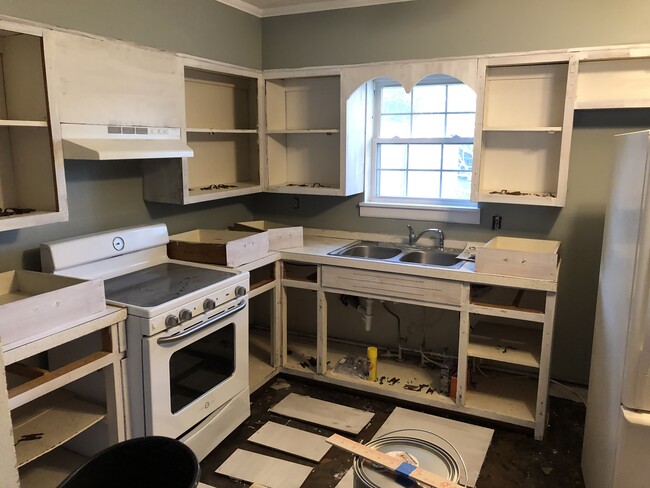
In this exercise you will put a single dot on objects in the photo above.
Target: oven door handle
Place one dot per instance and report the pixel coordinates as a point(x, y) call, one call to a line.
point(202, 325)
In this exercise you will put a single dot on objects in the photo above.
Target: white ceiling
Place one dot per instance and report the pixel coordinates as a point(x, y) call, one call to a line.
point(270, 8)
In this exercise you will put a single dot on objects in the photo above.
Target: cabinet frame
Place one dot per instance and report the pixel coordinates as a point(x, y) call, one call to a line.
point(550, 188)
point(110, 324)
point(341, 171)
point(240, 149)
point(42, 186)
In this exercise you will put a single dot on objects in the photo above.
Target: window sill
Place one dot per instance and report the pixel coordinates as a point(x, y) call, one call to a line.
point(459, 215)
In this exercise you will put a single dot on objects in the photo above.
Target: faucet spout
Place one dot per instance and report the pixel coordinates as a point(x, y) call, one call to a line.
point(414, 238)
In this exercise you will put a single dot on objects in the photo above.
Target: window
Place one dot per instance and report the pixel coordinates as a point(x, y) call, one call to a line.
point(422, 146)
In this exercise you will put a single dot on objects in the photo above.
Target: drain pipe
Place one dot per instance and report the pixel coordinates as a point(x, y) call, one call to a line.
point(367, 313)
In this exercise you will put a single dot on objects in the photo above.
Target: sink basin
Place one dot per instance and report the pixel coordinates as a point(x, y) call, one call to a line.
point(433, 258)
point(371, 251)
point(400, 253)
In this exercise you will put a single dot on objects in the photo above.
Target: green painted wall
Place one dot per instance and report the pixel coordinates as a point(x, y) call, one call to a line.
point(440, 28)
point(203, 28)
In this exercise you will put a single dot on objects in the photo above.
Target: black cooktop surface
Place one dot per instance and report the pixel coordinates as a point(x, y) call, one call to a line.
point(160, 284)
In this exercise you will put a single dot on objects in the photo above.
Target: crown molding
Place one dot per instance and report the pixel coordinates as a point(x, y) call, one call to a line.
point(304, 8)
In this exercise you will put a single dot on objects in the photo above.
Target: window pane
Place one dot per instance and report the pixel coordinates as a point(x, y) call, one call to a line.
point(392, 156)
point(455, 187)
point(395, 126)
point(425, 156)
point(461, 125)
point(428, 125)
point(391, 183)
point(461, 98)
point(457, 157)
point(394, 100)
point(428, 98)
point(424, 184)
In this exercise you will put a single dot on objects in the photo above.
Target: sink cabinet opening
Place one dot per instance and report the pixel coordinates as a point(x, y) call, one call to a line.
point(416, 359)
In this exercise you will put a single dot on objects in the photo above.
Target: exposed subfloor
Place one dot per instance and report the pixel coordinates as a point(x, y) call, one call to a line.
point(514, 458)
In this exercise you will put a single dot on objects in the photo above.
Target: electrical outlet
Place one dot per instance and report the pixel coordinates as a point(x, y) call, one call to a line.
point(496, 222)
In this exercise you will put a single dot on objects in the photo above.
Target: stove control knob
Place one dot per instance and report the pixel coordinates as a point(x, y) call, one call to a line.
point(240, 291)
point(171, 321)
point(185, 314)
point(209, 304)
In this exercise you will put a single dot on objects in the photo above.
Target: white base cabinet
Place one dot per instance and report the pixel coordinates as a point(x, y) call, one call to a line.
point(60, 414)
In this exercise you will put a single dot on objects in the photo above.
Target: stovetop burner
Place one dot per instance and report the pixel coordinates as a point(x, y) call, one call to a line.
point(161, 283)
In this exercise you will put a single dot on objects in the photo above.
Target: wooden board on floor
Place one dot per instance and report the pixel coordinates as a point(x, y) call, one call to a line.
point(320, 412)
point(267, 471)
point(290, 440)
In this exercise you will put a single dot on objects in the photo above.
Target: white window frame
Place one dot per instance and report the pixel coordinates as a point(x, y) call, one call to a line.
point(437, 209)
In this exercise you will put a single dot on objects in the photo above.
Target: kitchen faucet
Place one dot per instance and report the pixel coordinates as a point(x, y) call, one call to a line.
point(413, 238)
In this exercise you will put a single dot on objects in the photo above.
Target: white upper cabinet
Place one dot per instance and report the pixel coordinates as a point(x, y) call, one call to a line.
point(32, 182)
point(524, 121)
point(618, 79)
point(221, 125)
point(305, 135)
point(111, 82)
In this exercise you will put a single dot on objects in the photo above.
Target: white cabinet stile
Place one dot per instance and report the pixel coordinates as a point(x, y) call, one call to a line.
point(31, 163)
point(524, 126)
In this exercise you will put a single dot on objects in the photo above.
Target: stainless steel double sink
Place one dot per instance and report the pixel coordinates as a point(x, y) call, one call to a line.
point(400, 253)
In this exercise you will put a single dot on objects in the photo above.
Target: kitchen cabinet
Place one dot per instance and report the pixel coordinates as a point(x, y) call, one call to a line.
point(108, 82)
point(511, 330)
point(523, 131)
point(307, 149)
point(497, 331)
point(58, 419)
point(618, 79)
point(32, 182)
point(221, 125)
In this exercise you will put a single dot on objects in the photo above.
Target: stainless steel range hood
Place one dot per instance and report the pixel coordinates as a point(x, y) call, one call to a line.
point(106, 142)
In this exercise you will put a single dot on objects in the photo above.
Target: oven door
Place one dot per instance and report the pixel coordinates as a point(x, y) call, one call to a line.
point(190, 374)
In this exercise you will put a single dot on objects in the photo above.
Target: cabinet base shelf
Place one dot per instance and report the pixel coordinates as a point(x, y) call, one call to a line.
point(503, 397)
point(50, 470)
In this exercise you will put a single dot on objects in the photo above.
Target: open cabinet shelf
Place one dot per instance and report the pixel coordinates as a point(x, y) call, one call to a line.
point(306, 139)
point(222, 128)
point(32, 182)
point(57, 418)
point(524, 130)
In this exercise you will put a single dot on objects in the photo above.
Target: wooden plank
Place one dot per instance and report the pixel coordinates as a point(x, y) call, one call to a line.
point(290, 440)
point(320, 412)
point(268, 471)
point(392, 463)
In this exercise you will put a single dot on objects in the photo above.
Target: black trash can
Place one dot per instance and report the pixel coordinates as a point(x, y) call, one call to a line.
point(153, 461)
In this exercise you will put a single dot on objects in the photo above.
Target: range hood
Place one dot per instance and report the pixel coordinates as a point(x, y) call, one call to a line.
point(105, 142)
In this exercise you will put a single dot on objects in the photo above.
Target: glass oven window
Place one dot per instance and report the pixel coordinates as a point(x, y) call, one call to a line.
point(201, 366)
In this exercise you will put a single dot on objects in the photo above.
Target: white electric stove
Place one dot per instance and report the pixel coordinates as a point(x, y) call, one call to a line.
point(187, 332)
